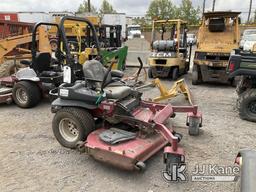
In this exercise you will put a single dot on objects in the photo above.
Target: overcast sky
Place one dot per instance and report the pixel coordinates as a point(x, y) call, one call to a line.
point(130, 7)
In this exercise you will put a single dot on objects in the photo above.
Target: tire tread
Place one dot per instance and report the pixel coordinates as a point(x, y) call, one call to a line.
point(34, 94)
point(84, 118)
point(242, 101)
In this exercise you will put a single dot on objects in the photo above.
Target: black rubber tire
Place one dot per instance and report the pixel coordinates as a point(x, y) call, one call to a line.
point(172, 159)
point(196, 75)
point(186, 68)
point(243, 103)
point(84, 123)
point(175, 73)
point(193, 126)
point(240, 88)
point(32, 91)
point(140, 166)
point(150, 74)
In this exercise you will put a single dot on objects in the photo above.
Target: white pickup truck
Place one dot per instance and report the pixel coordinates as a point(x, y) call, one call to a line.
point(134, 31)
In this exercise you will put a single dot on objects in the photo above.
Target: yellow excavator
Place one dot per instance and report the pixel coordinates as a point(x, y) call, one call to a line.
point(16, 48)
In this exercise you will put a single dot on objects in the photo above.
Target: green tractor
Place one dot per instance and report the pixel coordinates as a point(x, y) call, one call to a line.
point(111, 48)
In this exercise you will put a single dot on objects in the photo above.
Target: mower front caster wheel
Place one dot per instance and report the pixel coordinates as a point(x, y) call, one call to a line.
point(140, 166)
point(71, 125)
point(193, 124)
point(80, 146)
point(172, 160)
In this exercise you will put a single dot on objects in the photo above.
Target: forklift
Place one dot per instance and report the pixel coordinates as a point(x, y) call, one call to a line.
point(111, 48)
point(169, 54)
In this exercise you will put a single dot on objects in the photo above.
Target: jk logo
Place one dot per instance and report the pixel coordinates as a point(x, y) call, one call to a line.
point(175, 173)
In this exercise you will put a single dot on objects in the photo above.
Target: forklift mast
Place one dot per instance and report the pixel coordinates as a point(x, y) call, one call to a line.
point(110, 35)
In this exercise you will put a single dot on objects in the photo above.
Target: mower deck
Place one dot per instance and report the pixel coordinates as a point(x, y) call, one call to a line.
point(6, 84)
point(126, 154)
point(148, 141)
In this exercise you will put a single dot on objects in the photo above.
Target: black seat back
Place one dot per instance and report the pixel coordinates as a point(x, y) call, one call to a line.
point(95, 71)
point(42, 62)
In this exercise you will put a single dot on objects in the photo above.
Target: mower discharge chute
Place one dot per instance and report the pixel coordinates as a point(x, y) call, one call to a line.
point(129, 130)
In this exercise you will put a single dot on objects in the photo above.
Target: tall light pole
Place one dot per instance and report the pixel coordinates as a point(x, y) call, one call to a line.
point(89, 6)
point(204, 6)
point(250, 10)
point(213, 5)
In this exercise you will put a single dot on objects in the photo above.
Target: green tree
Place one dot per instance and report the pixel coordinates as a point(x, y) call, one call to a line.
point(106, 8)
point(83, 8)
point(188, 13)
point(139, 21)
point(161, 9)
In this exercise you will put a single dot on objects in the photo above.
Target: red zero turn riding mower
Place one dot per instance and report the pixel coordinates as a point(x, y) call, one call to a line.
point(132, 130)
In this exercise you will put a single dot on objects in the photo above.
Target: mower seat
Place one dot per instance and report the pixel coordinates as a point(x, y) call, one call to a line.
point(94, 71)
point(117, 73)
point(42, 62)
point(49, 74)
point(117, 92)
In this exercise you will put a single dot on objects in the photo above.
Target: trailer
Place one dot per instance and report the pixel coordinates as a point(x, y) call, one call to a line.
point(14, 28)
point(34, 17)
point(9, 16)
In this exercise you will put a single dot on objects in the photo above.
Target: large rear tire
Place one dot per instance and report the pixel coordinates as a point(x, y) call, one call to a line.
point(26, 94)
point(246, 105)
point(196, 75)
point(71, 125)
point(241, 85)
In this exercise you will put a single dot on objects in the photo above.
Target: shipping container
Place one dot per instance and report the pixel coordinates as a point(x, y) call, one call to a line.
point(34, 17)
point(8, 16)
point(14, 28)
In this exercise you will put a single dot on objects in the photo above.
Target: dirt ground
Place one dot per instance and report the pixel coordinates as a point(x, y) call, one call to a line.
point(32, 160)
